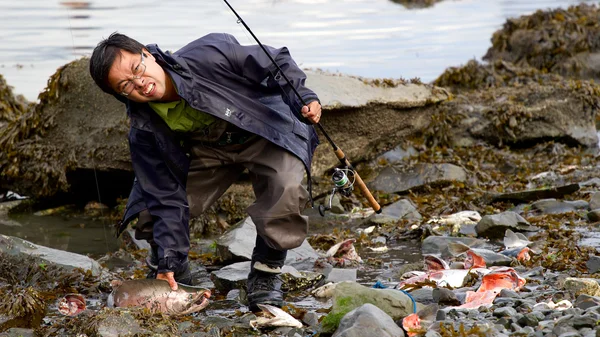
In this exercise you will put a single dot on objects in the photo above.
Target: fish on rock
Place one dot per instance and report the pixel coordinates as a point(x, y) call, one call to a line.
point(456, 220)
point(274, 317)
point(343, 254)
point(478, 257)
point(433, 262)
point(518, 246)
point(491, 285)
point(71, 305)
point(417, 323)
point(158, 296)
point(454, 278)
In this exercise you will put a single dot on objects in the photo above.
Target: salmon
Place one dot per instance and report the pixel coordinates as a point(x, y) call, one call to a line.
point(417, 323)
point(157, 295)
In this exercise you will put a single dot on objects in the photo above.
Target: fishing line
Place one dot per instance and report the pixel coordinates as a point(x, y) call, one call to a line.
point(93, 153)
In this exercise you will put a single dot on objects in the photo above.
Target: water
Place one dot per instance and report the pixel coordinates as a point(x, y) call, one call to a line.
point(371, 38)
point(74, 234)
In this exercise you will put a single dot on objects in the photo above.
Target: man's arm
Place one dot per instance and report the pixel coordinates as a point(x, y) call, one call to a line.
point(253, 64)
point(165, 197)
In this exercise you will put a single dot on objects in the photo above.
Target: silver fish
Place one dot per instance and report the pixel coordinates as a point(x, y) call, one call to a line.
point(157, 295)
point(491, 258)
point(274, 317)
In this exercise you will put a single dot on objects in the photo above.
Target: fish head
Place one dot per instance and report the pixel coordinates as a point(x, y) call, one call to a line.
point(71, 305)
point(474, 260)
point(523, 255)
point(412, 325)
point(184, 302)
point(274, 317)
point(433, 262)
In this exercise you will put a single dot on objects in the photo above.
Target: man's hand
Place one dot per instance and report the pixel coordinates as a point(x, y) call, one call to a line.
point(312, 111)
point(168, 276)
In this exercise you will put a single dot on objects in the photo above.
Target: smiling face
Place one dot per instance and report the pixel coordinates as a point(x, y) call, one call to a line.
point(153, 85)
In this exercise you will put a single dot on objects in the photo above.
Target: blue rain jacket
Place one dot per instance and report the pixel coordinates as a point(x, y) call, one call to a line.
point(239, 84)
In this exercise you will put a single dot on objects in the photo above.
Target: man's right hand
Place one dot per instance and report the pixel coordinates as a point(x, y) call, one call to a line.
point(169, 277)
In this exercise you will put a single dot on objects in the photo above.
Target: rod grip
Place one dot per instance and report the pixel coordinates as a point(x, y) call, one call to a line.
point(360, 183)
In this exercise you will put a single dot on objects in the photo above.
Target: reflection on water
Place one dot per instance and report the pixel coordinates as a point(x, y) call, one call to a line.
point(372, 38)
point(77, 235)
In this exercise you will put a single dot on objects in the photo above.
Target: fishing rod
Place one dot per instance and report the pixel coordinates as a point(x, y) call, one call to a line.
point(340, 176)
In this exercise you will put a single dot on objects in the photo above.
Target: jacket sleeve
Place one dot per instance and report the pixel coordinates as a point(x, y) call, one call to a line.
point(253, 64)
point(165, 196)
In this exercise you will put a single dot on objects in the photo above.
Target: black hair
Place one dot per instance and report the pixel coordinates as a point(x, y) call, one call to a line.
point(104, 56)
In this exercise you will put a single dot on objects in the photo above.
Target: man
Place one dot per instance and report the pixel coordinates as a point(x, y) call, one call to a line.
point(233, 110)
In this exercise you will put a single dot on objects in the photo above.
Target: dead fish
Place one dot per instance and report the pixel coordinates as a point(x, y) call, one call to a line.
point(433, 262)
point(477, 257)
point(560, 305)
point(454, 278)
point(418, 323)
point(324, 291)
point(515, 240)
point(343, 253)
point(491, 285)
point(275, 317)
point(457, 219)
point(71, 305)
point(157, 295)
point(520, 254)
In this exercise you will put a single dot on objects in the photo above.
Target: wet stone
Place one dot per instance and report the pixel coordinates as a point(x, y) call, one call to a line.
point(593, 264)
point(505, 312)
point(444, 296)
point(507, 293)
point(432, 333)
point(529, 319)
point(570, 334)
point(595, 200)
point(584, 322)
point(553, 206)
point(401, 209)
point(342, 274)
point(367, 320)
point(423, 295)
point(311, 319)
point(495, 226)
point(504, 322)
point(18, 332)
point(580, 286)
point(594, 215)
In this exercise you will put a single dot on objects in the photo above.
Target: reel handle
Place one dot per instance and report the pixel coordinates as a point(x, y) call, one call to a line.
point(359, 182)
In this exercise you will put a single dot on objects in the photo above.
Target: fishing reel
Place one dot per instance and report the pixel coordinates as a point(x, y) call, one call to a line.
point(343, 183)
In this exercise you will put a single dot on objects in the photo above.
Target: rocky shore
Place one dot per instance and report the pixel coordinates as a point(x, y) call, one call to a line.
point(488, 178)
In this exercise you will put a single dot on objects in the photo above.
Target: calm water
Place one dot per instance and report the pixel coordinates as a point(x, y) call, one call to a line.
point(371, 38)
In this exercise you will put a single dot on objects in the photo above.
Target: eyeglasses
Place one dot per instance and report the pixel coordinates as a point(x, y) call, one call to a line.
point(138, 72)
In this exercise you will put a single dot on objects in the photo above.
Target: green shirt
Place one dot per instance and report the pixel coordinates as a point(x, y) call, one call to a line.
point(181, 117)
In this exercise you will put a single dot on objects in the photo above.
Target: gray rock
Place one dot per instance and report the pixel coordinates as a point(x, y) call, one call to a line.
point(528, 319)
point(595, 199)
point(368, 320)
point(439, 244)
point(495, 226)
point(583, 322)
point(397, 154)
point(341, 274)
point(351, 295)
point(444, 296)
point(121, 323)
point(401, 209)
point(553, 206)
point(593, 264)
point(231, 277)
point(591, 182)
point(423, 295)
point(586, 301)
point(509, 293)
point(336, 205)
point(238, 244)
point(505, 312)
point(393, 180)
point(19, 247)
point(594, 215)
point(579, 286)
point(311, 319)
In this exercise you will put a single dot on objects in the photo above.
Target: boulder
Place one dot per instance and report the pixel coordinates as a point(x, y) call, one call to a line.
point(394, 180)
point(368, 320)
point(16, 246)
point(495, 226)
point(348, 296)
point(237, 245)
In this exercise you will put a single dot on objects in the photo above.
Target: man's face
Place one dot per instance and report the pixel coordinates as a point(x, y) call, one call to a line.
point(151, 85)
